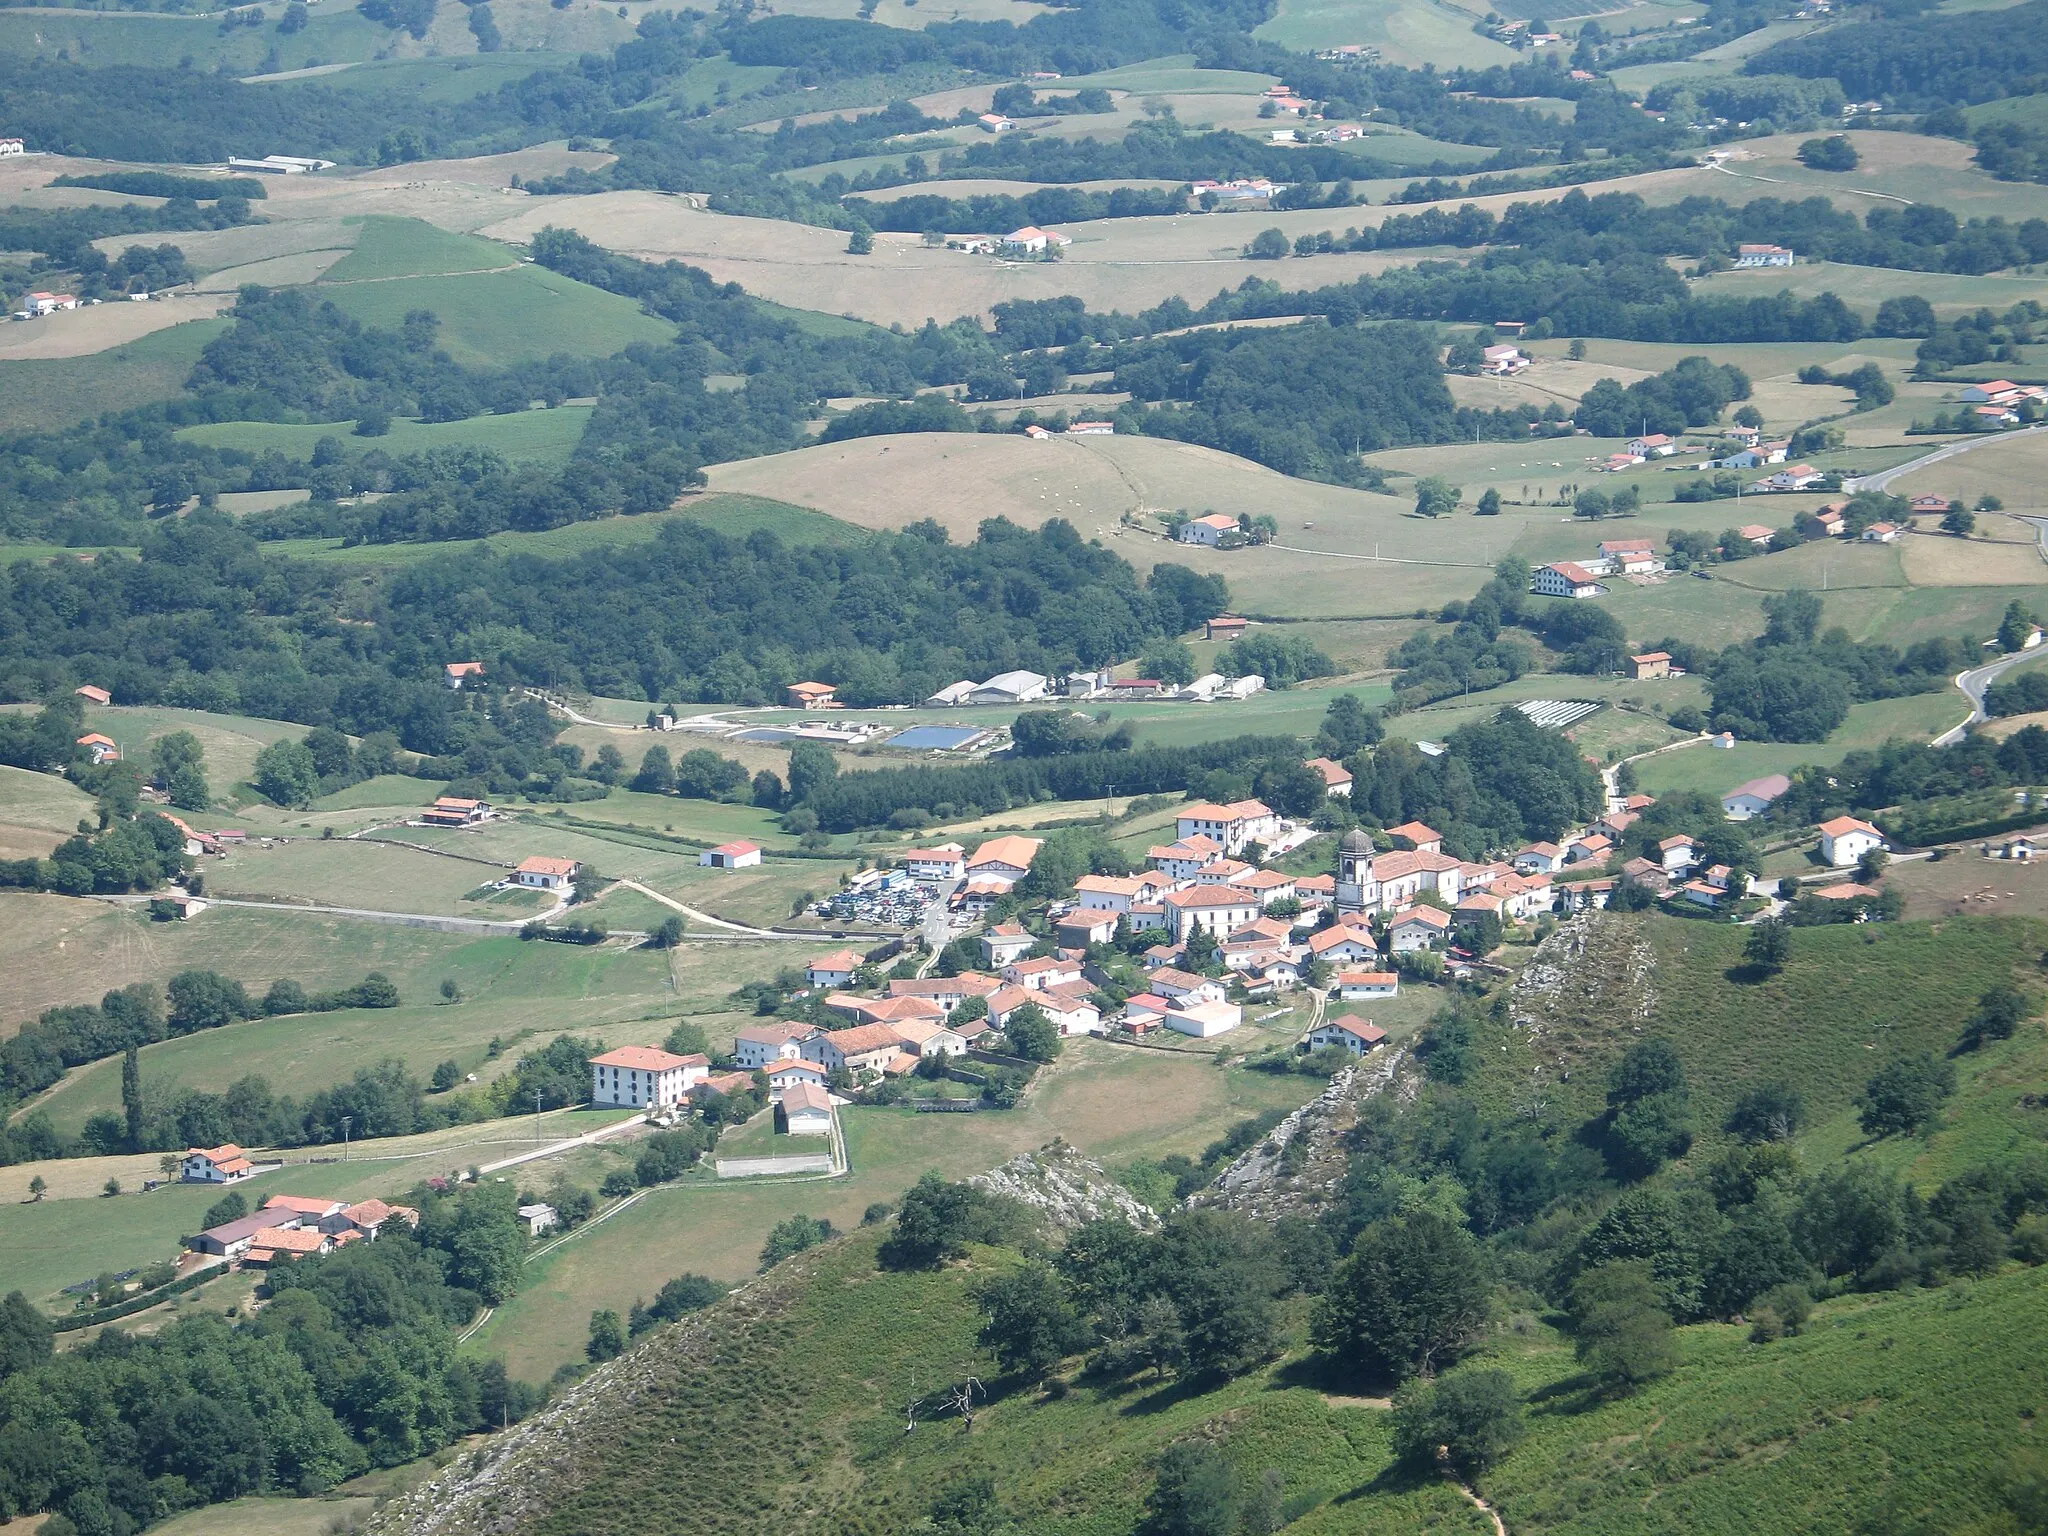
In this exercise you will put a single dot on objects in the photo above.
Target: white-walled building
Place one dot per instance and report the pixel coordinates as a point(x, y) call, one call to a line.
point(226, 1164)
point(1845, 840)
point(642, 1077)
point(1356, 1035)
point(544, 874)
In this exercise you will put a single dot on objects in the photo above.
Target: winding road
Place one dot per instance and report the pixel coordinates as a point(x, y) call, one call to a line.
point(1878, 480)
point(1973, 683)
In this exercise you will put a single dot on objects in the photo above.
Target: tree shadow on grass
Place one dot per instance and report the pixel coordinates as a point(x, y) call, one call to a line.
point(1749, 974)
point(1569, 1397)
point(1319, 1373)
point(1163, 1397)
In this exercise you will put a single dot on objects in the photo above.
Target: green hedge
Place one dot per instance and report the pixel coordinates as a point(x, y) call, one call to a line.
point(140, 1303)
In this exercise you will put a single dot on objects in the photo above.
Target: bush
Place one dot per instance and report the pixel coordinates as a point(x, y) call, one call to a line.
point(1906, 1095)
point(1469, 1420)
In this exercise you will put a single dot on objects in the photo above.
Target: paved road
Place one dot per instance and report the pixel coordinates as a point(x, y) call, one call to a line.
point(367, 914)
point(1973, 683)
point(1884, 477)
point(695, 916)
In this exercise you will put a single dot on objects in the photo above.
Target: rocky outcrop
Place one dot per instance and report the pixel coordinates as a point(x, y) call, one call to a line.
point(1065, 1188)
point(1298, 1168)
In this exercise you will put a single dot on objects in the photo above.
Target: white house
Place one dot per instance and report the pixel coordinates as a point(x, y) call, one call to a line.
point(1881, 533)
point(805, 1109)
point(1793, 477)
point(1341, 944)
point(1845, 840)
point(1211, 530)
point(762, 1045)
point(1336, 777)
point(1088, 428)
point(641, 1077)
point(1754, 797)
point(1540, 859)
point(1216, 909)
point(11, 147)
point(863, 1048)
point(1184, 987)
point(544, 874)
point(1764, 256)
point(456, 673)
point(1180, 861)
point(1034, 241)
point(834, 970)
point(1004, 943)
point(1115, 893)
point(994, 122)
point(1353, 1033)
point(224, 1164)
point(1628, 557)
point(1504, 360)
point(733, 855)
point(1676, 854)
point(1566, 578)
point(1231, 826)
point(1352, 985)
point(1418, 929)
point(1037, 975)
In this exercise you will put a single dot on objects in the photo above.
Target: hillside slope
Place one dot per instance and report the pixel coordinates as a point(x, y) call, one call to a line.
point(783, 1406)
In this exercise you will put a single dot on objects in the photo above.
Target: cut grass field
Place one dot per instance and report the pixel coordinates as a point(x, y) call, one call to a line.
point(735, 515)
point(1112, 1102)
point(230, 743)
point(535, 437)
point(1966, 884)
point(345, 872)
point(1715, 770)
point(44, 394)
point(505, 315)
point(521, 993)
point(38, 811)
point(1410, 33)
point(387, 247)
point(75, 1232)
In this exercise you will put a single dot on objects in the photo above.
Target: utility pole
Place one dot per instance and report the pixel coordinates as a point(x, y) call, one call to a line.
point(536, 1114)
point(345, 1119)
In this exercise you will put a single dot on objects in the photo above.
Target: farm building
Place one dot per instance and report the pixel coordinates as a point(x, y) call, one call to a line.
point(1565, 578)
point(734, 855)
point(805, 1109)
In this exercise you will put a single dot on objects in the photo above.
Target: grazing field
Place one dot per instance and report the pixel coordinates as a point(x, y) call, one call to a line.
point(38, 811)
point(230, 742)
point(501, 316)
point(2013, 469)
point(1966, 884)
point(271, 1517)
point(519, 992)
point(1112, 1102)
point(1901, 167)
point(965, 187)
point(735, 515)
point(346, 872)
point(442, 81)
point(537, 437)
point(1411, 33)
point(76, 1232)
point(1950, 293)
point(388, 247)
point(1715, 770)
point(45, 393)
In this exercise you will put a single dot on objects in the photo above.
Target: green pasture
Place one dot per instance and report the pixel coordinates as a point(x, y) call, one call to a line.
point(41, 394)
point(99, 39)
point(230, 743)
point(495, 318)
point(1175, 74)
point(538, 437)
point(43, 801)
point(519, 992)
point(1411, 33)
point(348, 872)
point(1715, 770)
point(56, 1242)
point(732, 513)
point(390, 247)
point(442, 81)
